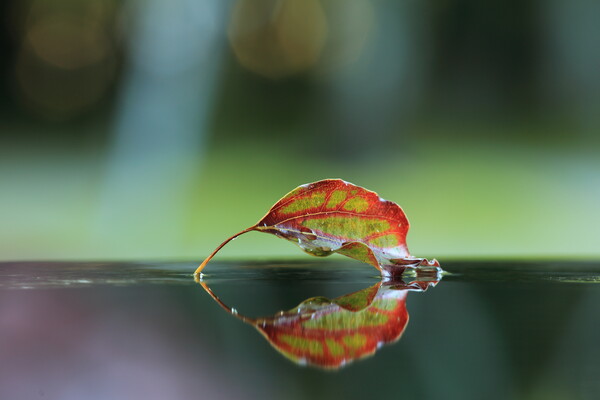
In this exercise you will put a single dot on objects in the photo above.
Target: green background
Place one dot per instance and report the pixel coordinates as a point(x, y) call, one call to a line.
point(140, 130)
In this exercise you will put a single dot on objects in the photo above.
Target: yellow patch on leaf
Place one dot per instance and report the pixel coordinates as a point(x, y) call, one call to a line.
point(358, 204)
point(385, 241)
point(336, 198)
point(304, 203)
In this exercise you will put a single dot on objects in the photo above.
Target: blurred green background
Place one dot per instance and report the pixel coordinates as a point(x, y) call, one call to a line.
point(152, 129)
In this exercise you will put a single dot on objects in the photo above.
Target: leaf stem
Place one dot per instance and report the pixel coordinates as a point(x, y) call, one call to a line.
point(230, 310)
point(201, 267)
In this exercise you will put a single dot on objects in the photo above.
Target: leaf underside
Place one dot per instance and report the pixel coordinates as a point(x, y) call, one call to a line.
point(334, 216)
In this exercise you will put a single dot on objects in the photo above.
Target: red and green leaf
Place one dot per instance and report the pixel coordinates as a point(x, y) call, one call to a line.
point(334, 216)
point(330, 336)
point(332, 333)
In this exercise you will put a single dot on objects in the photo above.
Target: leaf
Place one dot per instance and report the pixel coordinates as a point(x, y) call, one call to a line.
point(329, 335)
point(333, 333)
point(334, 216)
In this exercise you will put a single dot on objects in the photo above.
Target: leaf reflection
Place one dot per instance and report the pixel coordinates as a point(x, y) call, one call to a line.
point(330, 334)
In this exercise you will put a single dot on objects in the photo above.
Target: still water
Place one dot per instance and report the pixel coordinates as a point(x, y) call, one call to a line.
point(332, 329)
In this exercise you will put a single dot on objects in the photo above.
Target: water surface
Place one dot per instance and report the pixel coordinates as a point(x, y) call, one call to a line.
point(493, 330)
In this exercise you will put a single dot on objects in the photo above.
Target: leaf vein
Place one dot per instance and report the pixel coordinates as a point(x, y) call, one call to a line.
point(339, 212)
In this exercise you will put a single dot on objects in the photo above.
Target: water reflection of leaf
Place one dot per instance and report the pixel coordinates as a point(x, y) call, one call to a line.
point(332, 333)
